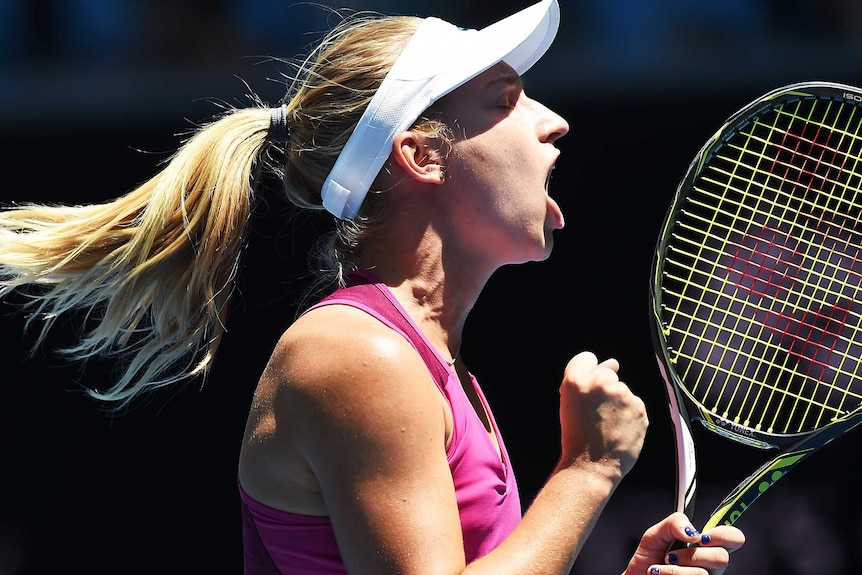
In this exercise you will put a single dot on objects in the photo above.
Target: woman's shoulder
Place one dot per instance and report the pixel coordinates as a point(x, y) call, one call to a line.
point(332, 363)
point(332, 344)
point(337, 330)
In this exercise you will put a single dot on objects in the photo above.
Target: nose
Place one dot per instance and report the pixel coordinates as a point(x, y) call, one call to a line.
point(551, 126)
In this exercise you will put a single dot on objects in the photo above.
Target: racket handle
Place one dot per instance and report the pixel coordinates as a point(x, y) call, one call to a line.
point(676, 545)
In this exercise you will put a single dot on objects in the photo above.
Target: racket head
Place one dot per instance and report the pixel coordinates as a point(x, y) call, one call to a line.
point(755, 281)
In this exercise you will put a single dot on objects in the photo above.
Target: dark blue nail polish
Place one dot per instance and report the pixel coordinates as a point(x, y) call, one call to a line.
point(690, 531)
point(672, 558)
point(654, 570)
point(705, 539)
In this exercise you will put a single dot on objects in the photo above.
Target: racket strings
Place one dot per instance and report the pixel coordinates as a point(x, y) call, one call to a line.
point(763, 271)
point(814, 161)
point(795, 146)
point(773, 258)
point(813, 341)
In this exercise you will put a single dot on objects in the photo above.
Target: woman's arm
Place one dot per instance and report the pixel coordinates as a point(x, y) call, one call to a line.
point(372, 426)
point(603, 426)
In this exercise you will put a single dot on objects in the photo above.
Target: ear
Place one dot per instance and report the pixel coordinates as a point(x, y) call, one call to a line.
point(417, 158)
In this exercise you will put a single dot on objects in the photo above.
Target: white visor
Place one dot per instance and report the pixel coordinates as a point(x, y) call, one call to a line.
point(438, 58)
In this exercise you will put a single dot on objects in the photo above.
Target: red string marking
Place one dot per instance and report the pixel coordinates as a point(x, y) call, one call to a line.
point(768, 264)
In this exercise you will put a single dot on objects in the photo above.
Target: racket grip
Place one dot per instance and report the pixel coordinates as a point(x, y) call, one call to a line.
point(676, 545)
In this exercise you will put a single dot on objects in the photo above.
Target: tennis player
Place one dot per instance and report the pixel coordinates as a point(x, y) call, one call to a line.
point(370, 447)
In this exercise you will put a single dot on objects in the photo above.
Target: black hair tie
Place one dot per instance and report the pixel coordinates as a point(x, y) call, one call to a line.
point(278, 130)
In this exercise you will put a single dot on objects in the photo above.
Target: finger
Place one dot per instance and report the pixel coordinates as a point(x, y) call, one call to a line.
point(709, 555)
point(712, 551)
point(675, 527)
point(725, 536)
point(714, 559)
point(583, 362)
point(654, 544)
point(675, 570)
point(611, 363)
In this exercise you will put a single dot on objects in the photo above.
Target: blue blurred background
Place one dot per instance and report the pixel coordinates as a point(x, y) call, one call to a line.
point(94, 94)
point(105, 60)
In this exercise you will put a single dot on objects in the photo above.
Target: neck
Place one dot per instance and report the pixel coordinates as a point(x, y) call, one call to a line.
point(437, 286)
point(438, 302)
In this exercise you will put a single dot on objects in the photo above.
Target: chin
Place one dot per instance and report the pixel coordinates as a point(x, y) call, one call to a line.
point(549, 245)
point(544, 252)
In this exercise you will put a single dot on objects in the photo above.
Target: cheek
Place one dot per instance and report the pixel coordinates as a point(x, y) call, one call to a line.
point(493, 180)
point(485, 165)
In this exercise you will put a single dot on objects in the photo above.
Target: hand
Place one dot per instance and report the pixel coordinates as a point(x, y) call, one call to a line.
point(601, 419)
point(710, 557)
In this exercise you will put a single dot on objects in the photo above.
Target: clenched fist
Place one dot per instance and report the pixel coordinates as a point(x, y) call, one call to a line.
point(602, 421)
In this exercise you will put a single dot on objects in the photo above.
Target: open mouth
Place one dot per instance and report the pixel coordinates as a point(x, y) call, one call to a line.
point(548, 178)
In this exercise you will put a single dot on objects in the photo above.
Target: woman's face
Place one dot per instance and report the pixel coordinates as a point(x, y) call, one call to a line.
point(499, 167)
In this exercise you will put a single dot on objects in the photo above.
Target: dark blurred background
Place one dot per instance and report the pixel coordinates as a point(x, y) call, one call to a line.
point(94, 94)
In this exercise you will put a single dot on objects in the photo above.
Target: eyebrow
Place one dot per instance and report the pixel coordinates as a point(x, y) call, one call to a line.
point(507, 76)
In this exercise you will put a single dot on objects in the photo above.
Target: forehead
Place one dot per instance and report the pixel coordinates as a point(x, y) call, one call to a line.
point(500, 73)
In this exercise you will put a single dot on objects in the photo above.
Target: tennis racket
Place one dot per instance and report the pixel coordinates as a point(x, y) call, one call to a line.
point(755, 287)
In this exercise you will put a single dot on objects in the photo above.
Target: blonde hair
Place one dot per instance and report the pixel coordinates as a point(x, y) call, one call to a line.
point(152, 271)
point(348, 67)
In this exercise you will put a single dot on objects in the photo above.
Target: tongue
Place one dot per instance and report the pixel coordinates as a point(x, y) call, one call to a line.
point(555, 214)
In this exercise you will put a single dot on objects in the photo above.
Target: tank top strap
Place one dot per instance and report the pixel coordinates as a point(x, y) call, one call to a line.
point(366, 292)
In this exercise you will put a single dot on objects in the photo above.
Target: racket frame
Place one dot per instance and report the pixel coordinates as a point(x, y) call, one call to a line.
point(683, 407)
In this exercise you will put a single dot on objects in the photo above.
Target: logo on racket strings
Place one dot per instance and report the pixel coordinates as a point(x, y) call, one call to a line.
point(736, 432)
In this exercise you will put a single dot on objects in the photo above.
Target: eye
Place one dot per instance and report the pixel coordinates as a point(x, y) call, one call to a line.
point(504, 92)
point(511, 97)
point(508, 101)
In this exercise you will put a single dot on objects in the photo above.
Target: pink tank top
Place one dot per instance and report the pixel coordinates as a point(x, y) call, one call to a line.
point(277, 542)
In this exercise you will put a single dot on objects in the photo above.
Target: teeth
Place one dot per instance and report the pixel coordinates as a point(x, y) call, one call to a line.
point(548, 179)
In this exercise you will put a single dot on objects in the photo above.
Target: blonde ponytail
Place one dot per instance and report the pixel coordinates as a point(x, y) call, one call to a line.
point(153, 270)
